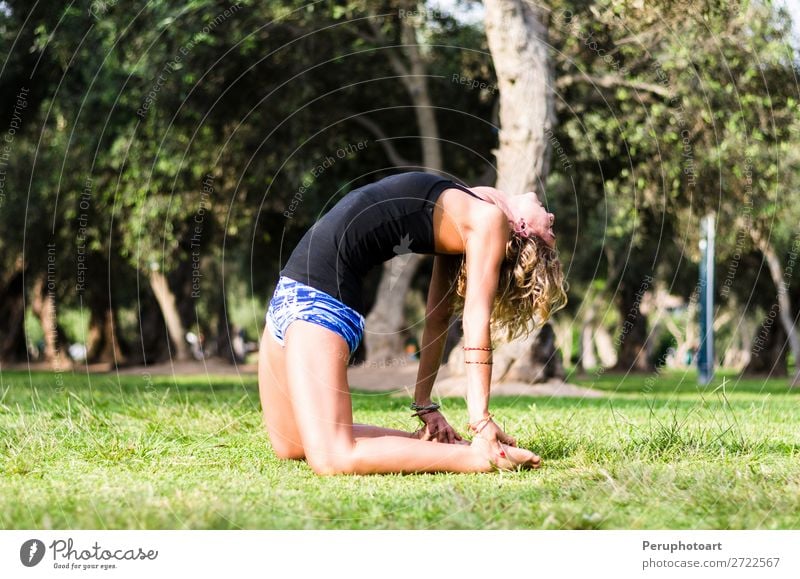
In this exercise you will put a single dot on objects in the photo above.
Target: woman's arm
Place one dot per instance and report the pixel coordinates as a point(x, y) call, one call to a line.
point(485, 251)
point(437, 321)
point(434, 335)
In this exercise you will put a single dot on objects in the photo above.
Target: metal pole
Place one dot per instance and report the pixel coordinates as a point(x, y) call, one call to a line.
point(705, 354)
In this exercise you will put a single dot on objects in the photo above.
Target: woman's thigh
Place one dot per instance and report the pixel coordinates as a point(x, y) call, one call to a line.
point(316, 372)
point(276, 402)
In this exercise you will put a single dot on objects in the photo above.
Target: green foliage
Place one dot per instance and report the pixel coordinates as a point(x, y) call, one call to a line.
point(665, 112)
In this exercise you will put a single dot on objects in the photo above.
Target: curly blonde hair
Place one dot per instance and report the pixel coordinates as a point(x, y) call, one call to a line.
point(531, 287)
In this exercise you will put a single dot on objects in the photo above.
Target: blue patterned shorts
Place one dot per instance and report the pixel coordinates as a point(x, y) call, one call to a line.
point(293, 300)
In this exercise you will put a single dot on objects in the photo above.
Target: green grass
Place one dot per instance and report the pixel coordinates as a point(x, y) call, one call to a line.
point(657, 452)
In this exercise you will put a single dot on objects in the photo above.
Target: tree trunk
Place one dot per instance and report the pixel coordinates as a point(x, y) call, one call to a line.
point(166, 302)
point(587, 359)
point(517, 38)
point(687, 345)
point(13, 344)
point(227, 334)
point(564, 338)
point(737, 354)
point(768, 350)
point(785, 314)
point(153, 337)
point(532, 360)
point(103, 343)
point(605, 347)
point(43, 305)
point(384, 323)
point(538, 362)
point(632, 341)
point(415, 79)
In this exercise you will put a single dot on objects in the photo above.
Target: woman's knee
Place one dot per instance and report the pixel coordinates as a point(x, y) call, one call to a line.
point(331, 463)
point(288, 451)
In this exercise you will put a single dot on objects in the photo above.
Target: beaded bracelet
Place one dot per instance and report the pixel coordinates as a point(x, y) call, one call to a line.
point(431, 406)
point(424, 409)
point(480, 348)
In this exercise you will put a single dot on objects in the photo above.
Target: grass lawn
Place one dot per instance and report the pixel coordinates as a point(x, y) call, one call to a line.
point(657, 452)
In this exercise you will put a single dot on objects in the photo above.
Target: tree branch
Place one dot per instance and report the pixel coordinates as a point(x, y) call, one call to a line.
point(612, 81)
point(379, 38)
point(653, 32)
point(383, 139)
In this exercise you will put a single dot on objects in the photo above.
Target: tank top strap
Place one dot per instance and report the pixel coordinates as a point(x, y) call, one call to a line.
point(493, 199)
point(454, 185)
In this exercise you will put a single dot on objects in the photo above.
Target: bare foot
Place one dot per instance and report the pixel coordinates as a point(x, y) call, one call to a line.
point(513, 458)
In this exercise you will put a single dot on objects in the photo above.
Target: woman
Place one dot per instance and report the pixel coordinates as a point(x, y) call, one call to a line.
point(495, 261)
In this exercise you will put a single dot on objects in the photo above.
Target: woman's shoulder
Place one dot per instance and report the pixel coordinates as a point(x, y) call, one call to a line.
point(487, 219)
point(489, 216)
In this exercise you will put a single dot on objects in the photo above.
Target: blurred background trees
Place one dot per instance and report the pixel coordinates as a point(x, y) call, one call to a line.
point(159, 160)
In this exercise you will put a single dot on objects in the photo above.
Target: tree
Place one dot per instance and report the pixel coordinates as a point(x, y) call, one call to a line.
point(383, 336)
point(516, 31)
point(664, 108)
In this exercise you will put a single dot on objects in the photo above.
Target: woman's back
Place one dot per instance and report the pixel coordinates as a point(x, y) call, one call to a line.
point(370, 225)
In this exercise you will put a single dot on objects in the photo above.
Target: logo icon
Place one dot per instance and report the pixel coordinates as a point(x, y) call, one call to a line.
point(31, 552)
point(403, 255)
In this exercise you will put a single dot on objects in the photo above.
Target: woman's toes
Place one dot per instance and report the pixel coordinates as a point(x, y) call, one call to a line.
point(520, 457)
point(508, 457)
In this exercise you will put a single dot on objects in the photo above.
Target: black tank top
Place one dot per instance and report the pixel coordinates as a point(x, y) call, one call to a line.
point(370, 225)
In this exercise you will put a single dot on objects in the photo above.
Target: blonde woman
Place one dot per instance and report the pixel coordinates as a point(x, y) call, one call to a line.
point(495, 262)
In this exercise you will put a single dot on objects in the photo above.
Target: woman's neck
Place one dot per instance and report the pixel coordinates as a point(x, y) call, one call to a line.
point(497, 197)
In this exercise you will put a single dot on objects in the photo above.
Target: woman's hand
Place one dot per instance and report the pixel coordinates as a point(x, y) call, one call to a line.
point(501, 450)
point(438, 429)
point(488, 430)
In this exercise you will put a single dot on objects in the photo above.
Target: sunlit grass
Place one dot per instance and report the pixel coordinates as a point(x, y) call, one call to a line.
point(131, 452)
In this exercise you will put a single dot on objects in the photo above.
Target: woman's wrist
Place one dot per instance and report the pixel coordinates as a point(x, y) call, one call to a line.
point(477, 416)
point(477, 406)
point(421, 410)
point(421, 402)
